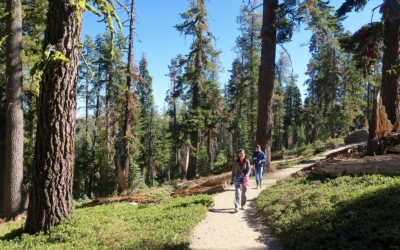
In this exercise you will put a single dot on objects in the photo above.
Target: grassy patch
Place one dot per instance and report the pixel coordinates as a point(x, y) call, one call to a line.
point(282, 165)
point(361, 212)
point(117, 226)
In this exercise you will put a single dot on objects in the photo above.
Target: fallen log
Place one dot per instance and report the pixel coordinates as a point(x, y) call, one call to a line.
point(395, 149)
point(385, 164)
point(209, 187)
point(138, 198)
point(198, 190)
point(18, 217)
point(355, 151)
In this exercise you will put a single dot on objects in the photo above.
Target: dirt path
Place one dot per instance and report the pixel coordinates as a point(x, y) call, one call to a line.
point(222, 229)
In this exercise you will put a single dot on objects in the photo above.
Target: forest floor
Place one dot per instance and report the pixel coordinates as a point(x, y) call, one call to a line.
point(223, 229)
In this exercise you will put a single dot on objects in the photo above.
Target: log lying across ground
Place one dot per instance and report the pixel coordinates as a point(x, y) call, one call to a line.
point(138, 198)
point(385, 164)
point(209, 187)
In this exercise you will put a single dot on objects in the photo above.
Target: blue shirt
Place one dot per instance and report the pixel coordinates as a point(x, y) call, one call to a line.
point(260, 157)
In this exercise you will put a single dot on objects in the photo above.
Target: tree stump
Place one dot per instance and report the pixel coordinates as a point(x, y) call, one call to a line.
point(379, 126)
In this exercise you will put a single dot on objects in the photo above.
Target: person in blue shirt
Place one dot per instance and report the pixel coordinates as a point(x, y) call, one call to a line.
point(259, 161)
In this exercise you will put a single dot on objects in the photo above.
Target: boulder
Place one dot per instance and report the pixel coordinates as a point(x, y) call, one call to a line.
point(357, 137)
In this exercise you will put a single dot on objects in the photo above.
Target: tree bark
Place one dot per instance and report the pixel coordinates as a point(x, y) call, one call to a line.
point(266, 79)
point(51, 192)
point(384, 164)
point(2, 147)
point(14, 154)
point(390, 87)
point(210, 149)
point(128, 101)
point(379, 126)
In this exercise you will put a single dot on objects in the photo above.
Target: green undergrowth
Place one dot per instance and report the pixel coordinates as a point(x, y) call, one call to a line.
point(309, 149)
point(117, 226)
point(361, 212)
point(282, 165)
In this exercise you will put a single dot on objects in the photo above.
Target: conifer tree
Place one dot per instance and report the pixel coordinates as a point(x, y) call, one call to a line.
point(365, 43)
point(127, 133)
point(144, 91)
point(51, 192)
point(199, 68)
point(14, 138)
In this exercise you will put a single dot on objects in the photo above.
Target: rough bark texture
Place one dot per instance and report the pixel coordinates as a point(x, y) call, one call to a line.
point(390, 87)
point(2, 148)
point(266, 79)
point(379, 126)
point(128, 107)
point(51, 192)
point(14, 154)
point(384, 164)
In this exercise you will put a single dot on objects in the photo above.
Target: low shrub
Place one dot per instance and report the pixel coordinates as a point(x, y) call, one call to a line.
point(360, 212)
point(117, 226)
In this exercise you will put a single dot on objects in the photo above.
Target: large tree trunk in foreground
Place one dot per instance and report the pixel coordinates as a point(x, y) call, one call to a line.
point(51, 192)
point(390, 87)
point(266, 79)
point(14, 154)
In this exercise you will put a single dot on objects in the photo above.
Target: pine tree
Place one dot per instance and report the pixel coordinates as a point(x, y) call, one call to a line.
point(147, 116)
point(199, 69)
point(365, 41)
point(13, 174)
point(123, 170)
point(52, 178)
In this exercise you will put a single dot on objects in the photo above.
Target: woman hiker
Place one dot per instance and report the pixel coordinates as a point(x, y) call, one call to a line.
point(259, 161)
point(240, 177)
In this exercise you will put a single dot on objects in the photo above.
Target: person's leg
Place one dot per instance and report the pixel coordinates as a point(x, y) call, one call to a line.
point(244, 196)
point(256, 170)
point(261, 173)
point(237, 196)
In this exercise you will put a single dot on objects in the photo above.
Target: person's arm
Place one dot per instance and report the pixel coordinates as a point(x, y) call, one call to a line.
point(233, 172)
point(247, 173)
point(263, 159)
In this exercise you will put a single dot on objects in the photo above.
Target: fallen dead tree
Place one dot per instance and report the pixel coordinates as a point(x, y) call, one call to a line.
point(386, 164)
point(355, 152)
point(21, 216)
point(208, 187)
point(138, 198)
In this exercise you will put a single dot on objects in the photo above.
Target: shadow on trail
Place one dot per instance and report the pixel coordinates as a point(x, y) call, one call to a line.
point(221, 210)
point(258, 224)
point(308, 162)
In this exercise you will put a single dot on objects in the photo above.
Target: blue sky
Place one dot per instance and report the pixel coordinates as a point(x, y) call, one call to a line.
point(157, 37)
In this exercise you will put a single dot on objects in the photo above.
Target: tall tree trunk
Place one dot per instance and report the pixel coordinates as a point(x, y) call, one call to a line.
point(175, 133)
point(128, 100)
point(14, 154)
point(266, 79)
point(209, 149)
point(2, 146)
point(194, 135)
point(51, 192)
point(150, 166)
point(253, 92)
point(390, 87)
